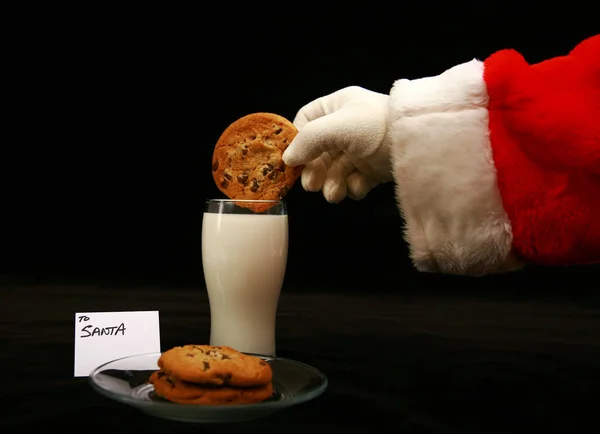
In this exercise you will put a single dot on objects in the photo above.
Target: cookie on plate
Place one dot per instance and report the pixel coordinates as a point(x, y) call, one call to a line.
point(215, 365)
point(183, 392)
point(247, 163)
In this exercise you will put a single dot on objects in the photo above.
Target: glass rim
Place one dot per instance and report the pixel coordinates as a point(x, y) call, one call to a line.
point(245, 200)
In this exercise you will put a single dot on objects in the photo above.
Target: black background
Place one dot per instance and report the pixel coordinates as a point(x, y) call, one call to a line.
point(117, 112)
point(111, 117)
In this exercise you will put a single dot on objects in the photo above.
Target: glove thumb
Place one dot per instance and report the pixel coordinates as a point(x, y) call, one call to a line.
point(341, 130)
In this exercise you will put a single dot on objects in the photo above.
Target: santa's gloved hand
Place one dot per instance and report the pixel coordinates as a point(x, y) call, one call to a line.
point(343, 142)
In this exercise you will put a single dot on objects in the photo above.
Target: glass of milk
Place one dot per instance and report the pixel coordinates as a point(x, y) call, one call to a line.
point(244, 257)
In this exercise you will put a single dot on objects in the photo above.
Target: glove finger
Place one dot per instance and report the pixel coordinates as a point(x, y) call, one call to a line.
point(345, 129)
point(334, 188)
point(358, 185)
point(314, 173)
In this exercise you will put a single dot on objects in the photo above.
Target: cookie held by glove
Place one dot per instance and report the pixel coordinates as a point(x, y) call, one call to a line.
point(247, 163)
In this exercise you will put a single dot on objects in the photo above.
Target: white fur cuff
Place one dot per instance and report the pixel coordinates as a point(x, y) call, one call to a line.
point(445, 176)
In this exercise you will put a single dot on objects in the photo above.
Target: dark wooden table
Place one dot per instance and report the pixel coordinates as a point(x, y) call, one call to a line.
point(424, 363)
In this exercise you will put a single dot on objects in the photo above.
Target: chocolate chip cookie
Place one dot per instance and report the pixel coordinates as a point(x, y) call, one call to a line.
point(214, 365)
point(183, 392)
point(247, 161)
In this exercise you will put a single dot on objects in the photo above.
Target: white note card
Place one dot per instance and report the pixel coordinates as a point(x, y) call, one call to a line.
point(104, 336)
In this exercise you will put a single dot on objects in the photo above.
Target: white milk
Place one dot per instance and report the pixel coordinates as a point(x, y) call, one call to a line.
point(244, 259)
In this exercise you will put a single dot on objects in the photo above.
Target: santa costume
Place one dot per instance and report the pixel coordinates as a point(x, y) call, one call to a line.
point(497, 162)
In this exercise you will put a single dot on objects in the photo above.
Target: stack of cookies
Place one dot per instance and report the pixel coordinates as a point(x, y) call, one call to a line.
point(211, 375)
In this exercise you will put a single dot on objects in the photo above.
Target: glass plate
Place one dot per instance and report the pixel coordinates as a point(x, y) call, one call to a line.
point(124, 380)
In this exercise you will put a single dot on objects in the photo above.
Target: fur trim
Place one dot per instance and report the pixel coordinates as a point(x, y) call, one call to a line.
point(445, 177)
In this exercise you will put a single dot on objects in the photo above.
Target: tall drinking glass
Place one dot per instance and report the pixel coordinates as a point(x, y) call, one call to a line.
point(244, 257)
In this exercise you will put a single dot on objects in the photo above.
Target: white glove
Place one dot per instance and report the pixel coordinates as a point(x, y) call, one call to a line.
point(343, 141)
